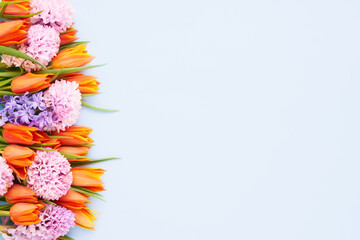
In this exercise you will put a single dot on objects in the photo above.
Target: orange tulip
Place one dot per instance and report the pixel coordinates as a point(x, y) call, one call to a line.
point(87, 84)
point(72, 57)
point(84, 218)
point(76, 203)
point(18, 134)
point(68, 36)
point(26, 213)
point(17, 9)
point(30, 83)
point(79, 136)
point(88, 178)
point(13, 32)
point(19, 158)
point(19, 193)
point(73, 200)
point(80, 151)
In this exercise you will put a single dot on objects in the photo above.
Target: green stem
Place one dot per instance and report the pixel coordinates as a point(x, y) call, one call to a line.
point(5, 88)
point(4, 213)
point(9, 74)
point(20, 16)
point(97, 108)
point(67, 70)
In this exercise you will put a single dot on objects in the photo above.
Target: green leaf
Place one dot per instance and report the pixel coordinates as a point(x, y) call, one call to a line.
point(97, 108)
point(2, 140)
point(9, 74)
point(6, 207)
point(87, 192)
point(43, 149)
point(16, 53)
point(68, 70)
point(81, 145)
point(59, 137)
point(82, 163)
point(90, 95)
point(72, 156)
point(49, 202)
point(2, 93)
point(66, 238)
point(4, 213)
point(5, 82)
point(73, 44)
point(21, 16)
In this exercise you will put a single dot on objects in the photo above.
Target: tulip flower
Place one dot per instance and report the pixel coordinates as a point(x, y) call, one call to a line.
point(84, 218)
point(79, 151)
point(79, 136)
point(22, 8)
point(19, 158)
point(88, 178)
point(13, 32)
point(20, 194)
point(87, 84)
point(26, 213)
point(75, 202)
point(72, 57)
point(68, 36)
point(18, 134)
point(30, 83)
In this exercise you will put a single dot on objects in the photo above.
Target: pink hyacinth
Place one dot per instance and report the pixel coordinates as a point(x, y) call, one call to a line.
point(56, 222)
point(58, 14)
point(42, 44)
point(49, 175)
point(64, 100)
point(6, 177)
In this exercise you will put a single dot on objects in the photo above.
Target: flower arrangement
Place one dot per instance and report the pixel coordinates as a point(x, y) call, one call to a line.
point(45, 180)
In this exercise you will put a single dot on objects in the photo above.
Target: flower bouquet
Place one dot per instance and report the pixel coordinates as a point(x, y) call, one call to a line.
point(45, 183)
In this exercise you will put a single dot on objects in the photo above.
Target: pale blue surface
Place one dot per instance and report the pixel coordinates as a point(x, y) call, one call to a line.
point(239, 119)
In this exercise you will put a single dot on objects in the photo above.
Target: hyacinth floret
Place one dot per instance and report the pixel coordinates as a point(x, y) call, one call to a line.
point(64, 100)
point(49, 175)
point(6, 177)
point(28, 109)
point(58, 14)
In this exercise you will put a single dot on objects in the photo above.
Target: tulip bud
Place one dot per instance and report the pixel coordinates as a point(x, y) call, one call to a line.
point(18, 134)
point(30, 83)
point(19, 158)
point(68, 36)
point(26, 213)
point(72, 57)
point(19, 193)
point(13, 32)
point(78, 134)
point(17, 8)
point(88, 178)
point(87, 84)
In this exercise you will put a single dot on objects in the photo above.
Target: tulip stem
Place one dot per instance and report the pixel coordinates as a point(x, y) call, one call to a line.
point(9, 74)
point(6, 88)
point(4, 213)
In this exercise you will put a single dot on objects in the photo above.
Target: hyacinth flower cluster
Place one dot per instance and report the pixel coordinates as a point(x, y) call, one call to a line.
point(45, 181)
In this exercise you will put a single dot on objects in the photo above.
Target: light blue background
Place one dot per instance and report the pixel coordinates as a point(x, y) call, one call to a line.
point(239, 120)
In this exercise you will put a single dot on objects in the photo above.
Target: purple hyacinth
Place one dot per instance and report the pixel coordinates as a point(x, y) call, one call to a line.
point(28, 109)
